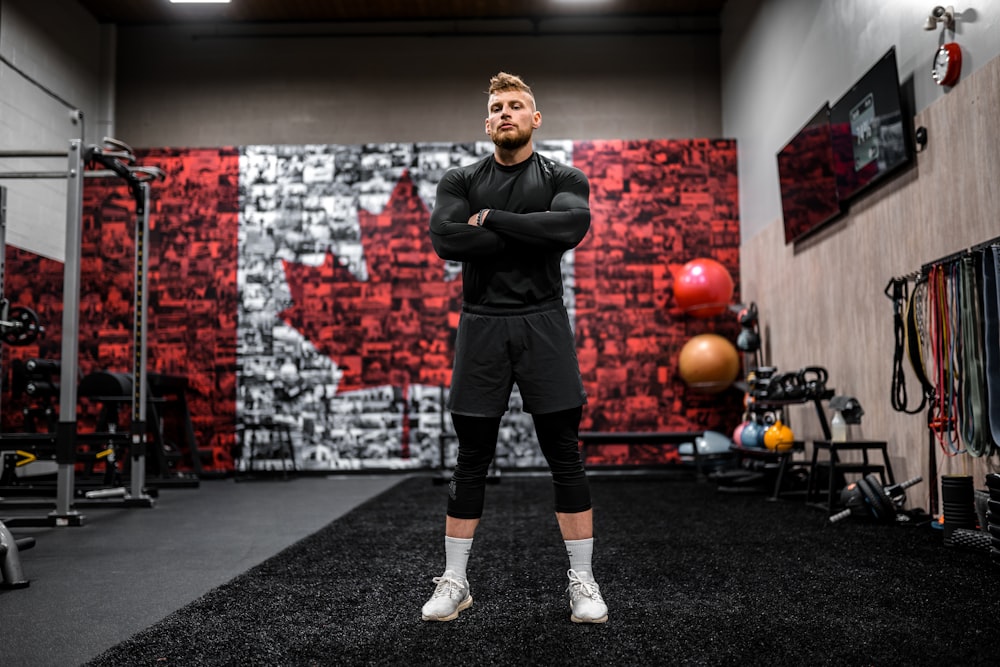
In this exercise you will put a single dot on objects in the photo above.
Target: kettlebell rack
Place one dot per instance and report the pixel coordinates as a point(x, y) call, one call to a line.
point(769, 392)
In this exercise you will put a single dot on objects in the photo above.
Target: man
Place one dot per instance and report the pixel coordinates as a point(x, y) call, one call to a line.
point(509, 219)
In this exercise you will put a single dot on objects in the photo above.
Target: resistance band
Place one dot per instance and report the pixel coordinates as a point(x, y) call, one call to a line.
point(972, 411)
point(991, 336)
point(898, 292)
point(941, 415)
point(916, 335)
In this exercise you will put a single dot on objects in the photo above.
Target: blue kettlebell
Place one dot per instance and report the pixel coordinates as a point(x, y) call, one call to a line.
point(751, 435)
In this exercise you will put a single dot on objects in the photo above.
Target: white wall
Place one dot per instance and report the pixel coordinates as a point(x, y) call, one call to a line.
point(52, 65)
point(781, 59)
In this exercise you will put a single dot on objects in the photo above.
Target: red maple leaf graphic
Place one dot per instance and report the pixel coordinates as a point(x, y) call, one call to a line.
point(395, 328)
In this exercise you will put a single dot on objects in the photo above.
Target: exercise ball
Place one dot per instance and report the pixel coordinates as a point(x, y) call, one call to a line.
point(703, 288)
point(709, 363)
point(778, 437)
point(710, 443)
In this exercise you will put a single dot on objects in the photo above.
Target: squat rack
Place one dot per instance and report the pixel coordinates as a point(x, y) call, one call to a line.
point(118, 160)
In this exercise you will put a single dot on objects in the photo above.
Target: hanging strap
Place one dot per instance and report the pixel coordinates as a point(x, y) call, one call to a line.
point(916, 335)
point(940, 418)
point(972, 404)
point(991, 336)
point(897, 291)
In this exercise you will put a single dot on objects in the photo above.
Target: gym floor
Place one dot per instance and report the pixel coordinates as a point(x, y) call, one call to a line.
point(95, 585)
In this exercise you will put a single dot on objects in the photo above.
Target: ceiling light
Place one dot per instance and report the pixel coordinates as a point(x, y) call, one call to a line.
point(200, 2)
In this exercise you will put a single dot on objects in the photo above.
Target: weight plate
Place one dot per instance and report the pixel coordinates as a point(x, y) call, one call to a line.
point(889, 507)
point(22, 327)
point(871, 488)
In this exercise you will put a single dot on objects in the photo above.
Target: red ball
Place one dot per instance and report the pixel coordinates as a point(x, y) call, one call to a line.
point(703, 288)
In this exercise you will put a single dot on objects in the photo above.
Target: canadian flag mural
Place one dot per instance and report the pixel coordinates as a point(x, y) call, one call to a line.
point(296, 288)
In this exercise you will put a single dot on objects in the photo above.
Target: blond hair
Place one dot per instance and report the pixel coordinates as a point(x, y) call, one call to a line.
point(503, 82)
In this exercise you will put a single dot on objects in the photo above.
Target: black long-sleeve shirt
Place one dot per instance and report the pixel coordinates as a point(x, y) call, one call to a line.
point(539, 209)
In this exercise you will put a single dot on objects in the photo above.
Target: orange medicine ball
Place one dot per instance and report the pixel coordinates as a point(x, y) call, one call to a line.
point(709, 363)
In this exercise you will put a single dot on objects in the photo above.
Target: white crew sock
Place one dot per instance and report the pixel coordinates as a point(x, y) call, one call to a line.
point(580, 553)
point(456, 552)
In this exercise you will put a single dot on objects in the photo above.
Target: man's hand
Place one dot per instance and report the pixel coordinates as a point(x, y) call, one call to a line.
point(477, 218)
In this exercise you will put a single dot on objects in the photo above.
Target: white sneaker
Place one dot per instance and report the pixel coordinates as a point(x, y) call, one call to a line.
point(585, 601)
point(451, 596)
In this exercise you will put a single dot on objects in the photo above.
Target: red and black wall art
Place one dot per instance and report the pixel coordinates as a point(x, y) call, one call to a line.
point(296, 290)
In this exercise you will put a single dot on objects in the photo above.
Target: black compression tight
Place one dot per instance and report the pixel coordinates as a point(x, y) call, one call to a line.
point(558, 436)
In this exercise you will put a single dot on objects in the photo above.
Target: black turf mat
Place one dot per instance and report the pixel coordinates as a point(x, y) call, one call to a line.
point(691, 577)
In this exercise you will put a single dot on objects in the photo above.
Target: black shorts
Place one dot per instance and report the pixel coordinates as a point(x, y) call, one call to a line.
point(532, 346)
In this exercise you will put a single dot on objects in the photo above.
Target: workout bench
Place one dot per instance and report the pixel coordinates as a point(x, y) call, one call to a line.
point(660, 438)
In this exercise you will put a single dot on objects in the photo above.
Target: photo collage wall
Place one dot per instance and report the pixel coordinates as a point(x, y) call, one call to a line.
point(296, 291)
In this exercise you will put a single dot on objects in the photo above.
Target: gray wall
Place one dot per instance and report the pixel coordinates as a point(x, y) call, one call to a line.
point(776, 62)
point(198, 89)
point(207, 86)
point(52, 64)
point(781, 59)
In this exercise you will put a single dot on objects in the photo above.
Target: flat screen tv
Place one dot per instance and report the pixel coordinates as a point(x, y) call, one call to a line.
point(871, 132)
point(806, 178)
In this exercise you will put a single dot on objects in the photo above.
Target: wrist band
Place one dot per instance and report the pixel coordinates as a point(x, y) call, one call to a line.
point(479, 217)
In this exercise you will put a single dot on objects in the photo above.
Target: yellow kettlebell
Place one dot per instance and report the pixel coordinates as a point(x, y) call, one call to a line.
point(778, 437)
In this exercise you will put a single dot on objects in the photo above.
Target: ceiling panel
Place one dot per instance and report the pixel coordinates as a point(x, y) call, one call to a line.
point(136, 12)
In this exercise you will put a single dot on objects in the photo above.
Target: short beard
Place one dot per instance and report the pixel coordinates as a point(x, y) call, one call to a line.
point(511, 142)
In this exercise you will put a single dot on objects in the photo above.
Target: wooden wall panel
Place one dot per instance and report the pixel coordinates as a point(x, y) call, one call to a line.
point(822, 301)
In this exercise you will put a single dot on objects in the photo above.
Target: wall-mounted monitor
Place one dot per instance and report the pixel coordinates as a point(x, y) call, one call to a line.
point(870, 131)
point(807, 179)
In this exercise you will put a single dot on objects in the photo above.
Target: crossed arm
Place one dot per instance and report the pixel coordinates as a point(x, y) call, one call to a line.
point(457, 235)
